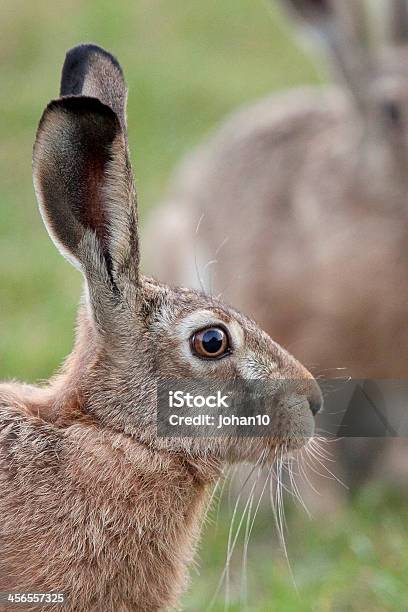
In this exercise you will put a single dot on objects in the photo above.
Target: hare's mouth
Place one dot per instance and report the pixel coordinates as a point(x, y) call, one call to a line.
point(294, 418)
point(291, 429)
point(292, 426)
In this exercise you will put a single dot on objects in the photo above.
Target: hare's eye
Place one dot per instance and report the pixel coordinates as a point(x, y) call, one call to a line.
point(210, 343)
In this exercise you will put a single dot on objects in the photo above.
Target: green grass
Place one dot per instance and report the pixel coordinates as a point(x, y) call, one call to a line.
point(353, 560)
point(188, 63)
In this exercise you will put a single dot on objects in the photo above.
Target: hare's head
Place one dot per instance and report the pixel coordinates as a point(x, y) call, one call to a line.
point(144, 333)
point(368, 43)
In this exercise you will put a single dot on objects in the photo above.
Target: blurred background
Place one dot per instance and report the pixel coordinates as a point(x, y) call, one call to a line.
point(188, 64)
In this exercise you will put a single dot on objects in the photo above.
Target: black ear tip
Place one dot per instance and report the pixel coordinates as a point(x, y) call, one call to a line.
point(76, 66)
point(82, 53)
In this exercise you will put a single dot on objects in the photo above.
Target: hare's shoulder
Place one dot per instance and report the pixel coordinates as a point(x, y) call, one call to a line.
point(21, 405)
point(30, 440)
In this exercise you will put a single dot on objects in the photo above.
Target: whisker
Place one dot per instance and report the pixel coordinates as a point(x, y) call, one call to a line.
point(229, 497)
point(281, 535)
point(243, 595)
point(228, 477)
point(233, 540)
point(295, 487)
point(330, 476)
point(223, 243)
point(197, 270)
point(214, 492)
point(305, 477)
point(232, 543)
point(317, 447)
point(248, 533)
point(215, 261)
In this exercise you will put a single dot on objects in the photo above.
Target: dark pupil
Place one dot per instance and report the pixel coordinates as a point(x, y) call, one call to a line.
point(212, 340)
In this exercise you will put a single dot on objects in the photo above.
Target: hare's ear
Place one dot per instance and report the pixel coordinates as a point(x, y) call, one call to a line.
point(398, 21)
point(82, 174)
point(314, 13)
point(343, 27)
point(333, 18)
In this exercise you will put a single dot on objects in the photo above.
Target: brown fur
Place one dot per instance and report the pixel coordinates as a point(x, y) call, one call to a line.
point(93, 502)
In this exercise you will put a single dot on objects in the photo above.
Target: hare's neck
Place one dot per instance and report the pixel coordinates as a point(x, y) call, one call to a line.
point(161, 518)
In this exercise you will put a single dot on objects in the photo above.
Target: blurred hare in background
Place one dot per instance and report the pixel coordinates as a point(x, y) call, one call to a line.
point(296, 210)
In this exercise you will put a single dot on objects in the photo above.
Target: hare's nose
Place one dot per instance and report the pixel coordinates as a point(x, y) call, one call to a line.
point(315, 400)
point(315, 406)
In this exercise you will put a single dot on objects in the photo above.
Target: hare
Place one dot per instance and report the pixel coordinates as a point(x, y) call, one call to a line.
point(94, 503)
point(296, 209)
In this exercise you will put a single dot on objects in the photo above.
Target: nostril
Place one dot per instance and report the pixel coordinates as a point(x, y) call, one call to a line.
point(392, 112)
point(315, 404)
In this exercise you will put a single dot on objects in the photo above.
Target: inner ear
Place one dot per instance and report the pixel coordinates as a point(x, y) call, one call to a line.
point(90, 174)
point(94, 138)
point(84, 183)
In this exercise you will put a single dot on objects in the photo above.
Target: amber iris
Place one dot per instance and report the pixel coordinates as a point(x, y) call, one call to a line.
point(210, 343)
